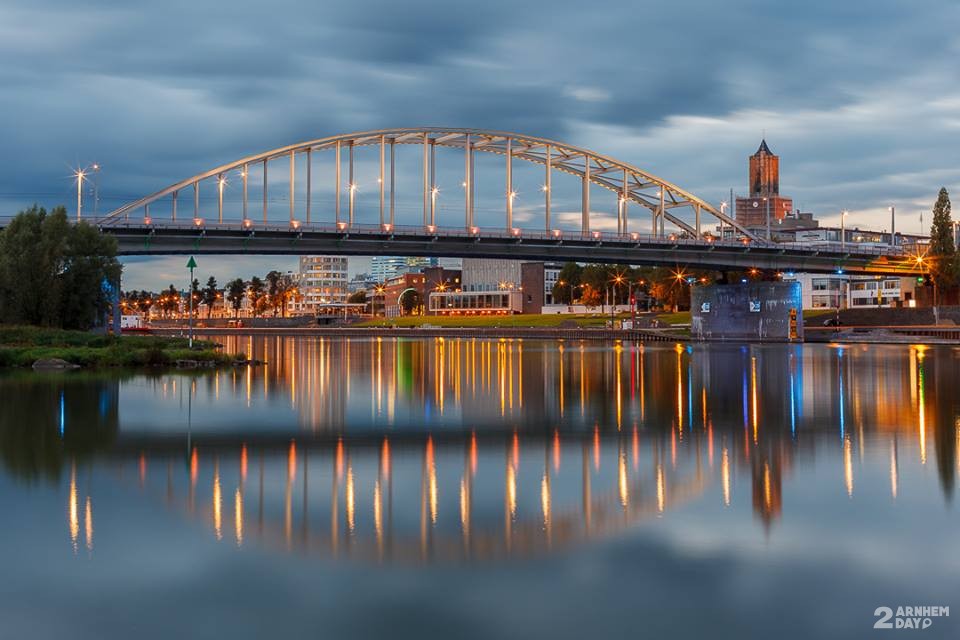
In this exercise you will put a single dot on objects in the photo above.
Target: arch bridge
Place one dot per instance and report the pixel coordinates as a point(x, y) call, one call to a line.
point(673, 226)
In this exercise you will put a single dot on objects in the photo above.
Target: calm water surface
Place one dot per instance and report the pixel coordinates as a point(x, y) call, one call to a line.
point(484, 488)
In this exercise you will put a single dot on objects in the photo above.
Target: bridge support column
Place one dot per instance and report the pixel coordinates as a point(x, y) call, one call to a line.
point(351, 186)
point(548, 168)
point(293, 174)
point(243, 174)
point(696, 209)
point(264, 191)
point(433, 183)
point(426, 178)
point(221, 182)
point(509, 185)
point(747, 312)
point(173, 209)
point(309, 181)
point(393, 181)
point(336, 179)
point(467, 181)
point(196, 200)
point(624, 202)
point(380, 179)
point(585, 198)
point(661, 211)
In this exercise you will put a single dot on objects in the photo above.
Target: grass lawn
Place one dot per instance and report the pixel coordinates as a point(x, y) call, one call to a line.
point(679, 317)
point(812, 314)
point(22, 346)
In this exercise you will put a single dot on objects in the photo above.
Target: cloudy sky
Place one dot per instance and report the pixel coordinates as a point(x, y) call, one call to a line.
point(860, 100)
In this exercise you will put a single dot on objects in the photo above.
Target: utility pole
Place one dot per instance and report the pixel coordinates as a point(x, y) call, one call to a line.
point(767, 202)
point(893, 226)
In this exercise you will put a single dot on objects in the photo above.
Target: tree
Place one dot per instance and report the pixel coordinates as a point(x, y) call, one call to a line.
point(236, 289)
point(53, 273)
point(275, 290)
point(209, 294)
point(195, 294)
point(170, 300)
point(943, 251)
point(358, 297)
point(258, 295)
point(941, 230)
point(567, 282)
point(281, 289)
point(89, 278)
point(590, 295)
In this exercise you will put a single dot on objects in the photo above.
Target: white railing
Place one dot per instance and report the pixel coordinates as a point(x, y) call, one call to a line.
point(480, 233)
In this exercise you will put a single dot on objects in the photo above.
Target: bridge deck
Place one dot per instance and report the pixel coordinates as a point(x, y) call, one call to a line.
point(174, 237)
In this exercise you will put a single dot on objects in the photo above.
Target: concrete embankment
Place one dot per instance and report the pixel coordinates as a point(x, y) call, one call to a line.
point(885, 335)
point(544, 333)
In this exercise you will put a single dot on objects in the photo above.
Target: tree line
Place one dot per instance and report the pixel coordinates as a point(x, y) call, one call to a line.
point(595, 284)
point(56, 274)
point(271, 294)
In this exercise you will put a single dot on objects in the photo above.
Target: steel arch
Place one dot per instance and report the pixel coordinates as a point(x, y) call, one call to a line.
point(630, 182)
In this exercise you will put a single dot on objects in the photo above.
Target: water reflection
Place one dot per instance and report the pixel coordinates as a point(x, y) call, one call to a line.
point(464, 450)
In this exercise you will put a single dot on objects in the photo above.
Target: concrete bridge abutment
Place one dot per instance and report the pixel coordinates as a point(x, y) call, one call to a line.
point(747, 312)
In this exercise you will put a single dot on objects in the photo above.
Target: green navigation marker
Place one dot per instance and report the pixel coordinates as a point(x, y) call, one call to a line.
point(192, 264)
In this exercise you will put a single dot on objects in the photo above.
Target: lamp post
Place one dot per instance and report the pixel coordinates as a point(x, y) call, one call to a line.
point(617, 280)
point(95, 168)
point(352, 190)
point(80, 174)
point(843, 229)
point(767, 204)
point(723, 211)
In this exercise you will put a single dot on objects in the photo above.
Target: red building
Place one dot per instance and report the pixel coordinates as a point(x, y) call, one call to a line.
point(764, 190)
point(392, 290)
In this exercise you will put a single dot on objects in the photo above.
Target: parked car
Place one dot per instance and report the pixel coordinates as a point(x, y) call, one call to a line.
point(832, 322)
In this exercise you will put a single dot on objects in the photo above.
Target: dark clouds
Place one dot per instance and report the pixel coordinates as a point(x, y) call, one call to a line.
point(860, 101)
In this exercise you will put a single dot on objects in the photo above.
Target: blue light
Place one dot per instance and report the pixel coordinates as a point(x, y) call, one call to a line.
point(839, 272)
point(63, 415)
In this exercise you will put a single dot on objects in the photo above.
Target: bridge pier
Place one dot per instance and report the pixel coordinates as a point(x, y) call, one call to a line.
point(748, 312)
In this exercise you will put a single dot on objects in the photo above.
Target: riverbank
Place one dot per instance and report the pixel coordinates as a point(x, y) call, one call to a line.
point(530, 333)
point(516, 320)
point(904, 334)
point(24, 346)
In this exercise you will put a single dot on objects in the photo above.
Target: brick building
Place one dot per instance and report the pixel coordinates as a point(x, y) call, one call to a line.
point(764, 192)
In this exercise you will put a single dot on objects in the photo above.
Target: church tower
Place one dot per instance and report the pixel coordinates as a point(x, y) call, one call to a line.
point(764, 172)
point(764, 189)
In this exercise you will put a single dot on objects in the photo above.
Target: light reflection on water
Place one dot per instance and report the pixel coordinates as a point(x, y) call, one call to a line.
point(480, 453)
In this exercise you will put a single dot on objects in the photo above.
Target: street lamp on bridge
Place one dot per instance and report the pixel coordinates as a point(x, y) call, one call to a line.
point(79, 174)
point(843, 228)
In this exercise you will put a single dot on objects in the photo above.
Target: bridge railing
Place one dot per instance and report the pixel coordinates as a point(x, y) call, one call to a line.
point(558, 236)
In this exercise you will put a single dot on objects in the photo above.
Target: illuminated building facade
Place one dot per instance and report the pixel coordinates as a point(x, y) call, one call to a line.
point(322, 280)
point(490, 275)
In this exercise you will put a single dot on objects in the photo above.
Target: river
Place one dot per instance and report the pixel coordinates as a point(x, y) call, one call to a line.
point(483, 488)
